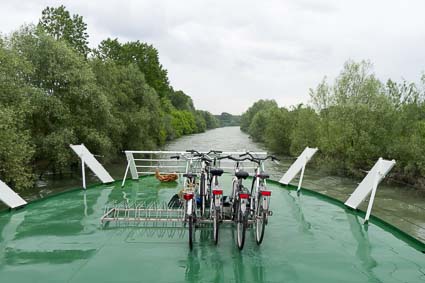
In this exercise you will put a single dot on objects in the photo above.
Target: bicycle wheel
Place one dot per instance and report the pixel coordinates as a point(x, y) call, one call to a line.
point(216, 225)
point(260, 226)
point(202, 191)
point(191, 231)
point(240, 227)
point(234, 203)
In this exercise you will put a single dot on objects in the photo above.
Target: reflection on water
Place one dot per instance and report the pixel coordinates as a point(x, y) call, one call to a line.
point(363, 246)
point(295, 205)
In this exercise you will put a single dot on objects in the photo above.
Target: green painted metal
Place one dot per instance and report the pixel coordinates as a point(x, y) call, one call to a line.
point(310, 238)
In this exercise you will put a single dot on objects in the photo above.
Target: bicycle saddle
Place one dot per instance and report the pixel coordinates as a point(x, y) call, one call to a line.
point(190, 175)
point(216, 171)
point(263, 176)
point(241, 175)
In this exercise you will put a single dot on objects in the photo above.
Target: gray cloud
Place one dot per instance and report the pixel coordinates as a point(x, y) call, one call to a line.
point(228, 54)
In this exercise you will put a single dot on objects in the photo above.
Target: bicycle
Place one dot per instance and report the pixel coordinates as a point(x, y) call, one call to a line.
point(216, 194)
point(260, 196)
point(189, 196)
point(240, 199)
point(205, 162)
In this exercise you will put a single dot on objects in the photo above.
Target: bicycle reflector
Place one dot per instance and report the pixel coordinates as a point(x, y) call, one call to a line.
point(188, 196)
point(217, 192)
point(266, 193)
point(244, 196)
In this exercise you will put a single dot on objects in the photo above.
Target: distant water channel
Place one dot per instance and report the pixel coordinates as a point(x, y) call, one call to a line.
point(401, 206)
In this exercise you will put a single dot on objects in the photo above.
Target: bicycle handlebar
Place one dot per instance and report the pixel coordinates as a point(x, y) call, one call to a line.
point(235, 159)
point(215, 151)
point(255, 159)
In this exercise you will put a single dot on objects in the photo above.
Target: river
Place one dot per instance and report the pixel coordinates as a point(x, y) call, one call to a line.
point(402, 206)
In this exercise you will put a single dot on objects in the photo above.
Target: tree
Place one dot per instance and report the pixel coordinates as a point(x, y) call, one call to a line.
point(16, 148)
point(69, 108)
point(145, 56)
point(248, 115)
point(58, 23)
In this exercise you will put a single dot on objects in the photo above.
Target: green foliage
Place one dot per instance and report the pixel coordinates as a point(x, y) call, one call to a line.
point(58, 23)
point(278, 130)
point(15, 149)
point(52, 95)
point(70, 99)
point(305, 129)
point(353, 123)
point(183, 122)
point(248, 116)
point(227, 120)
point(211, 121)
point(144, 55)
point(181, 101)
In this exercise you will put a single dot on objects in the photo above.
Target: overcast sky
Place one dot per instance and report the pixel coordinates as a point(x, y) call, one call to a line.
point(228, 54)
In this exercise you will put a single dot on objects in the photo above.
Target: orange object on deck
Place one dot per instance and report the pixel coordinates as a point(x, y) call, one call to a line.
point(166, 177)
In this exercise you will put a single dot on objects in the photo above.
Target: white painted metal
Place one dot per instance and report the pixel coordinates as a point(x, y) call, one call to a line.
point(301, 178)
point(297, 166)
point(131, 165)
point(9, 197)
point(369, 185)
point(88, 159)
point(83, 172)
point(155, 162)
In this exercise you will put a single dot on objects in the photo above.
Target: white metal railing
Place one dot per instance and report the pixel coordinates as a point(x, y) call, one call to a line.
point(144, 162)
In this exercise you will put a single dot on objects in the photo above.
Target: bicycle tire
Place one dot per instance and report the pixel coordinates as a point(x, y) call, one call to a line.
point(216, 225)
point(234, 203)
point(191, 228)
point(202, 189)
point(240, 227)
point(260, 226)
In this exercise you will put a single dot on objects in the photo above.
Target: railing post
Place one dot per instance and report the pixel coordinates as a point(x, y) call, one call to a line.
point(301, 178)
point(83, 170)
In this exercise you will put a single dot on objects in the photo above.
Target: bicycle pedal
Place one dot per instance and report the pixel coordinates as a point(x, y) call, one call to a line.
point(270, 213)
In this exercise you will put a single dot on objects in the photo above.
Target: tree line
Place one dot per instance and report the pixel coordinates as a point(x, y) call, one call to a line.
point(56, 91)
point(353, 122)
point(228, 120)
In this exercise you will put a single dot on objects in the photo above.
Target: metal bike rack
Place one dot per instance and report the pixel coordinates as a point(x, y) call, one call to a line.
point(143, 163)
point(126, 213)
point(141, 212)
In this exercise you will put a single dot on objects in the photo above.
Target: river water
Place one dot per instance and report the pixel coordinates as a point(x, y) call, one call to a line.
point(401, 206)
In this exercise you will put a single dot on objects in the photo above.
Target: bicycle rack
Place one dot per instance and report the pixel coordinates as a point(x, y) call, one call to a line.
point(155, 214)
point(124, 212)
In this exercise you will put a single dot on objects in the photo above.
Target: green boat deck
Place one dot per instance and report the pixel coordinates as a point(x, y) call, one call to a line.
point(310, 238)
